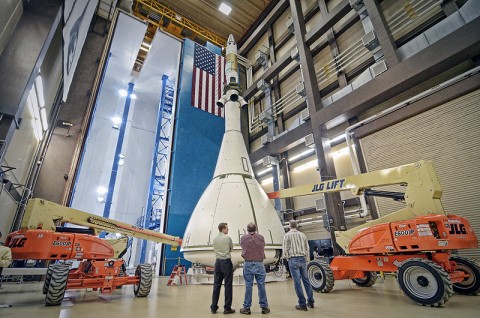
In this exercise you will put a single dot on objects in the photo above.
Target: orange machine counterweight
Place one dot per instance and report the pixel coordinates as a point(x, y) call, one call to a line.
point(50, 245)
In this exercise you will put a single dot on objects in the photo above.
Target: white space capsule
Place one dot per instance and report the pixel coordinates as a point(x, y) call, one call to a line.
point(233, 196)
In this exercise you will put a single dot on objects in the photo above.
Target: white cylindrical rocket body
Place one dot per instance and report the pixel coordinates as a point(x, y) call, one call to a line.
point(234, 197)
point(231, 61)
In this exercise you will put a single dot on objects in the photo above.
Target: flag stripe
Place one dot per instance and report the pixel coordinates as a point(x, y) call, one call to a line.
point(208, 77)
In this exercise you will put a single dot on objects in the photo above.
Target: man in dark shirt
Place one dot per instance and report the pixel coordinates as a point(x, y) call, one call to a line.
point(253, 251)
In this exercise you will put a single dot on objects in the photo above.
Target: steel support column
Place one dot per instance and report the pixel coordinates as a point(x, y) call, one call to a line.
point(389, 48)
point(314, 102)
point(332, 42)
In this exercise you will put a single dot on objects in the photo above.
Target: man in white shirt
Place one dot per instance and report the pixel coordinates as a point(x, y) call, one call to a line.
point(296, 251)
point(5, 258)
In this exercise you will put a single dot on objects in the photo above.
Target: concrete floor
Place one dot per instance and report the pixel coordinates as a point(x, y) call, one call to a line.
point(346, 300)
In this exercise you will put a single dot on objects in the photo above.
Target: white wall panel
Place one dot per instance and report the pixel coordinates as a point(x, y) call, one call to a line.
point(346, 41)
point(314, 21)
point(324, 68)
point(409, 14)
point(308, 5)
point(280, 25)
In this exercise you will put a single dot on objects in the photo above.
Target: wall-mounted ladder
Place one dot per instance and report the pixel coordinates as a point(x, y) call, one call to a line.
point(156, 193)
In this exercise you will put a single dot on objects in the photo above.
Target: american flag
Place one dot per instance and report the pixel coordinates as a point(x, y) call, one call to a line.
point(208, 80)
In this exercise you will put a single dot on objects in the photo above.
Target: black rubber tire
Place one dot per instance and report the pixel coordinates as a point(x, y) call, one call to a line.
point(320, 276)
point(369, 280)
point(425, 282)
point(48, 276)
point(142, 289)
point(58, 285)
point(470, 286)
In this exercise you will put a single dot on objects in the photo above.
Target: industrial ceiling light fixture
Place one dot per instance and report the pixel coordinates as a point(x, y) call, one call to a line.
point(101, 191)
point(302, 154)
point(116, 122)
point(337, 138)
point(225, 8)
point(263, 172)
point(122, 92)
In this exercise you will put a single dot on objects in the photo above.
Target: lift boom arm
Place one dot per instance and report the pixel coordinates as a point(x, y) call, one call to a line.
point(42, 214)
point(422, 193)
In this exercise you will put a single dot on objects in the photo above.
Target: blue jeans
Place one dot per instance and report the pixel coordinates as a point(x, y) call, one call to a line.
point(254, 270)
point(298, 270)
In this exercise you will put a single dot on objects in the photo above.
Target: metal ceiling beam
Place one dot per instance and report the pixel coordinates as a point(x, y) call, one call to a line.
point(281, 143)
point(458, 46)
point(461, 45)
point(325, 24)
point(389, 48)
point(328, 21)
point(270, 74)
point(441, 97)
point(162, 11)
point(262, 28)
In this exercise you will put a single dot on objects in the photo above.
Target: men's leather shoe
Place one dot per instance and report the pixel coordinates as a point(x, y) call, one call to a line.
point(303, 308)
point(245, 311)
point(213, 311)
point(228, 311)
point(310, 304)
point(265, 310)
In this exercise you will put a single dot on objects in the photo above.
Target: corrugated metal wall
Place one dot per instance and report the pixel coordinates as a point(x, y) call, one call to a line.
point(449, 136)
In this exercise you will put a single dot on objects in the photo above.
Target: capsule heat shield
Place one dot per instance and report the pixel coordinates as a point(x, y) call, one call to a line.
point(237, 200)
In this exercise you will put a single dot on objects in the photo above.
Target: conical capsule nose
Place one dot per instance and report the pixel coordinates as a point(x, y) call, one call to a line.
point(231, 39)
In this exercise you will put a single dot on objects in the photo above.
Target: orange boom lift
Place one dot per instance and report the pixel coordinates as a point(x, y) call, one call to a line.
point(415, 242)
point(101, 267)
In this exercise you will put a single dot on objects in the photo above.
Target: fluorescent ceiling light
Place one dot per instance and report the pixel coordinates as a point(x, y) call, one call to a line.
point(133, 96)
point(122, 92)
point(39, 87)
point(338, 138)
point(225, 8)
point(43, 118)
point(303, 153)
point(36, 124)
point(305, 166)
point(263, 172)
point(340, 152)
